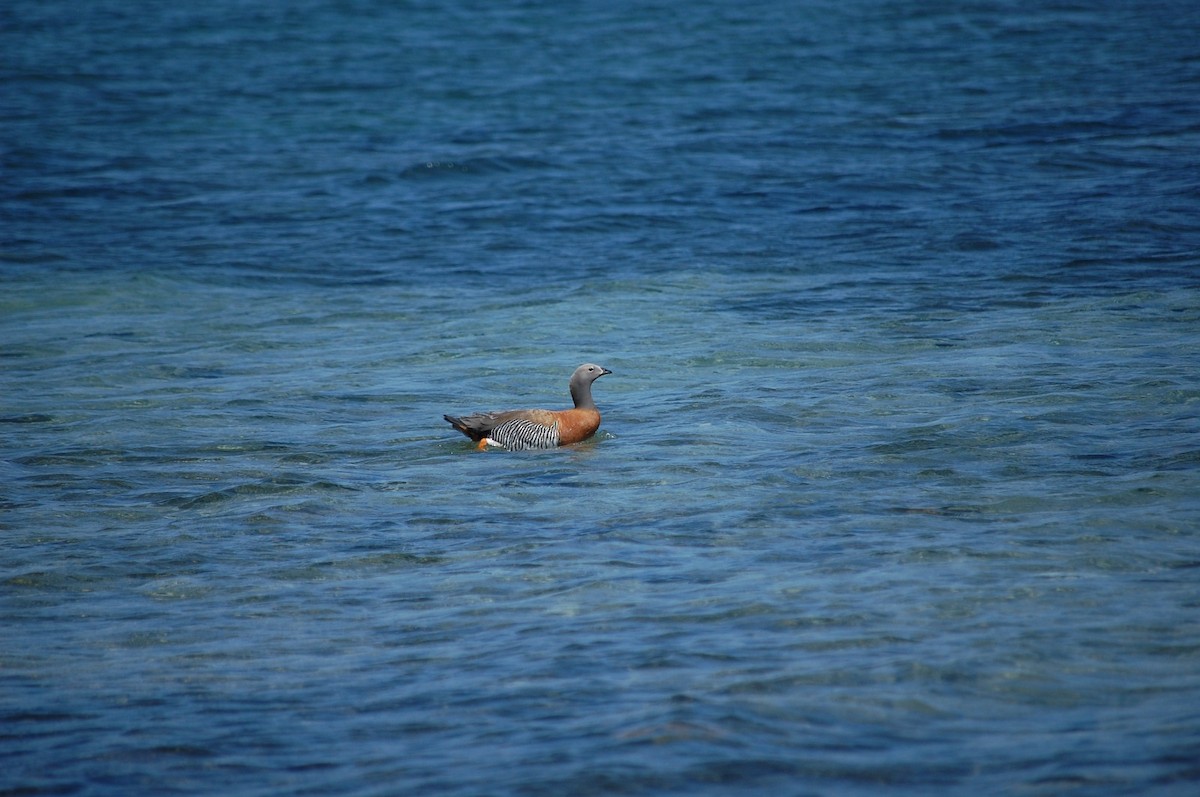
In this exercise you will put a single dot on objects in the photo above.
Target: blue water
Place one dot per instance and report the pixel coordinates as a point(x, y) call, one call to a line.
point(898, 484)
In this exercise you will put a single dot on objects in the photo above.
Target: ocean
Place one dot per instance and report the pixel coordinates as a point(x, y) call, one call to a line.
point(897, 488)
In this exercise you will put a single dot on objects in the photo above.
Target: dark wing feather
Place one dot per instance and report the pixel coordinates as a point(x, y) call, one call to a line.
point(482, 424)
point(476, 426)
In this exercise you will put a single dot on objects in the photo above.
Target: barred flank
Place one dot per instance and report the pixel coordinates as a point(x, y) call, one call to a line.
point(518, 435)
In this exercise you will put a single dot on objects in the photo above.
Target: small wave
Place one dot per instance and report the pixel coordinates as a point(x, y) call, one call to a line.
point(484, 165)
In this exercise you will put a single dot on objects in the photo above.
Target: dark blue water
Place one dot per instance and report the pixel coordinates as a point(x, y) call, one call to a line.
point(897, 486)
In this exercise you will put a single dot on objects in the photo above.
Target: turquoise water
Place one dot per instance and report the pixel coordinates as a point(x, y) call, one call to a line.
point(896, 488)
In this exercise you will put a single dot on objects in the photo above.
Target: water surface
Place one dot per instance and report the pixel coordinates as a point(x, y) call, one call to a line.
point(896, 488)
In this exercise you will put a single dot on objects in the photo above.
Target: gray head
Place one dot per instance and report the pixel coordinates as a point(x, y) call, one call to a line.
point(581, 384)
